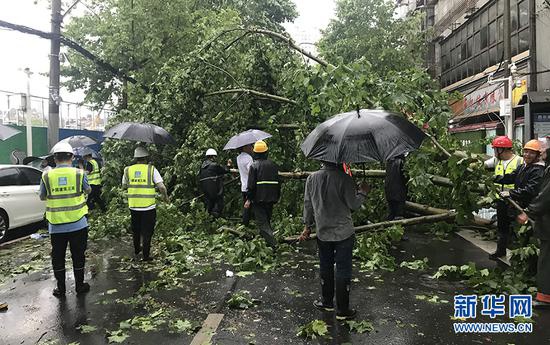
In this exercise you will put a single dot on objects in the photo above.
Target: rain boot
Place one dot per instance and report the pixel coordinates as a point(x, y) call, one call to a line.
point(59, 291)
point(80, 286)
point(343, 312)
point(501, 247)
point(327, 301)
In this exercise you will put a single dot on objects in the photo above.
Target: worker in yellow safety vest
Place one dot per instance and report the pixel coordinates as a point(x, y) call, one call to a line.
point(142, 179)
point(63, 189)
point(505, 162)
point(94, 178)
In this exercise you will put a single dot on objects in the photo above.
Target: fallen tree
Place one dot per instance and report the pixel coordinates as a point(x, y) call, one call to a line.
point(382, 225)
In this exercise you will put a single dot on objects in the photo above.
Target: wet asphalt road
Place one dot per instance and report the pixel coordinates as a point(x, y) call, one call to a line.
point(387, 299)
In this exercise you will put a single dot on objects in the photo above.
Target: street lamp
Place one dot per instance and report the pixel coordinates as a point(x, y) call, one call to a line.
point(28, 72)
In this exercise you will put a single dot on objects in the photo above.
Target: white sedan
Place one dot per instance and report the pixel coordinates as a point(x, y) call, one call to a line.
point(20, 203)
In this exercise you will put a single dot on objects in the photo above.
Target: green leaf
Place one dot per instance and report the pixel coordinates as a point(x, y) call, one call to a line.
point(244, 273)
point(85, 329)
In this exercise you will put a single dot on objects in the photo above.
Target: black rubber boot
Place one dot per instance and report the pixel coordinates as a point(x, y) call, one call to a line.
point(327, 301)
point(60, 290)
point(343, 312)
point(80, 286)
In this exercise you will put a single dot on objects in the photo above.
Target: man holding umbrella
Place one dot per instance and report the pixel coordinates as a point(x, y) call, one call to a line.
point(141, 180)
point(330, 194)
point(244, 141)
point(94, 178)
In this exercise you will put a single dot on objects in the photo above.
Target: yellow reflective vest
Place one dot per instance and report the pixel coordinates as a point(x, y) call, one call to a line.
point(501, 170)
point(65, 201)
point(94, 177)
point(141, 187)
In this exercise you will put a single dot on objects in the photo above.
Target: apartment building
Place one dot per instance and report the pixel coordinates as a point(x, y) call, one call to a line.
point(467, 46)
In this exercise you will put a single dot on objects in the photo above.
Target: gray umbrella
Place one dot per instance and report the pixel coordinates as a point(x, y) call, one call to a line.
point(362, 136)
point(144, 132)
point(246, 138)
point(7, 132)
point(79, 141)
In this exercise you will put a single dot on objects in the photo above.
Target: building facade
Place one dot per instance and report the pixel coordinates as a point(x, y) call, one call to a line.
point(467, 47)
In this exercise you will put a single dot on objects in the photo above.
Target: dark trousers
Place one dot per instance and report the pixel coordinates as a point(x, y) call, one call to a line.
point(214, 206)
point(246, 211)
point(505, 216)
point(263, 213)
point(396, 209)
point(77, 241)
point(143, 225)
point(543, 270)
point(337, 253)
point(95, 197)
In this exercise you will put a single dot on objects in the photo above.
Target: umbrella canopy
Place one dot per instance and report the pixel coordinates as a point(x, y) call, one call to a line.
point(7, 132)
point(144, 132)
point(246, 138)
point(79, 141)
point(362, 136)
point(82, 151)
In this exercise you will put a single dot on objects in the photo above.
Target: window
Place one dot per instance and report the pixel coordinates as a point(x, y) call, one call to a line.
point(470, 28)
point(500, 28)
point(493, 56)
point(483, 37)
point(30, 177)
point(471, 67)
point(484, 60)
point(513, 16)
point(463, 53)
point(476, 23)
point(469, 45)
point(500, 7)
point(514, 47)
point(523, 40)
point(492, 12)
point(477, 43)
point(500, 51)
point(492, 32)
point(523, 9)
point(8, 177)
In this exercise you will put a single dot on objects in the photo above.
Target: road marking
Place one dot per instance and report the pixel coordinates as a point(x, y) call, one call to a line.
point(487, 246)
point(209, 327)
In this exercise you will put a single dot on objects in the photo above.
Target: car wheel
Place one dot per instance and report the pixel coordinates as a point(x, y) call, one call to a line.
point(3, 225)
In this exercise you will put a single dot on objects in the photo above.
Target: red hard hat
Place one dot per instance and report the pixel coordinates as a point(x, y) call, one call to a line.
point(502, 141)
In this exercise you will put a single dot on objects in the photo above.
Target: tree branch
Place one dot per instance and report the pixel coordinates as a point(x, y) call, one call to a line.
point(75, 46)
point(255, 93)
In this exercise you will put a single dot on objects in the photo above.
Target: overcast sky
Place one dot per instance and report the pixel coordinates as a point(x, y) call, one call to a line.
point(21, 50)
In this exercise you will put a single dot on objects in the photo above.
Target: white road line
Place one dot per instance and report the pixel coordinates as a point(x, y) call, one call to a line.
point(209, 327)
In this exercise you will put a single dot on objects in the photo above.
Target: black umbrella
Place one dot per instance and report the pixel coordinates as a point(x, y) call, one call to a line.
point(7, 132)
point(144, 132)
point(362, 136)
point(246, 138)
point(79, 141)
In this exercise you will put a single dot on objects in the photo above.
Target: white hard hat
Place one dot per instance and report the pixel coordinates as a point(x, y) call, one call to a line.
point(211, 152)
point(140, 152)
point(62, 148)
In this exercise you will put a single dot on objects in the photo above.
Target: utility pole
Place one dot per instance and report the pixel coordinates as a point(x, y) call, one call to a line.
point(28, 114)
point(54, 99)
point(508, 118)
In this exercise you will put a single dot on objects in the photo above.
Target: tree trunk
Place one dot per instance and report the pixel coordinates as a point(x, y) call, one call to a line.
point(403, 222)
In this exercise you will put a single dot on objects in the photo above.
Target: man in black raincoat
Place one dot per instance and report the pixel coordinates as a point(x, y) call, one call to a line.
point(211, 182)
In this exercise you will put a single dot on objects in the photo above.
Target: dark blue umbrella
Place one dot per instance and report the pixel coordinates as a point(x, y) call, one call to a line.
point(246, 138)
point(362, 136)
point(144, 132)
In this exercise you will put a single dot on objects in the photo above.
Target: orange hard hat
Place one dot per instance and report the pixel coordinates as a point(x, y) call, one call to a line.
point(533, 145)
